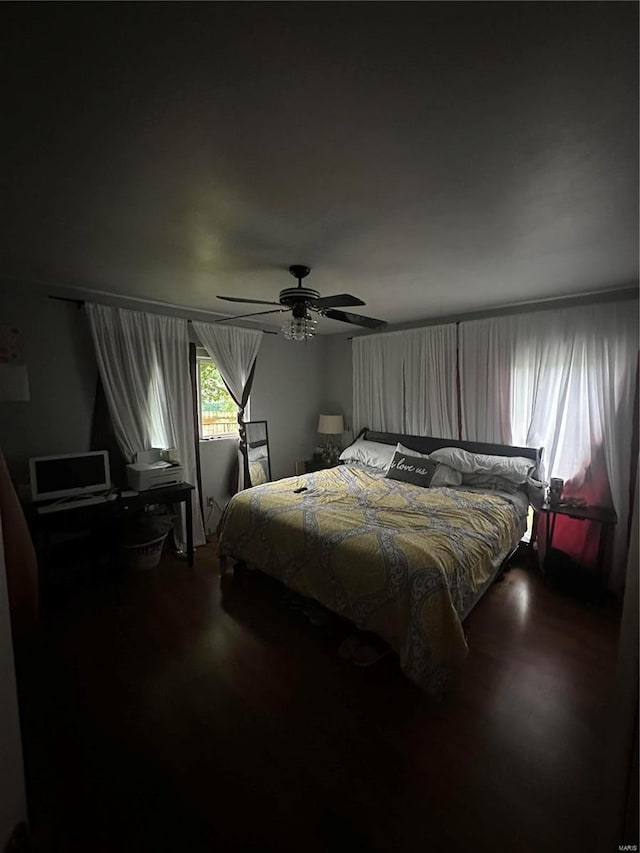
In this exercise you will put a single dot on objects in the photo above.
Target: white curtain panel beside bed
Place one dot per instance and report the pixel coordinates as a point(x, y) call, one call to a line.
point(143, 361)
point(563, 380)
point(487, 353)
point(430, 382)
point(378, 382)
point(406, 382)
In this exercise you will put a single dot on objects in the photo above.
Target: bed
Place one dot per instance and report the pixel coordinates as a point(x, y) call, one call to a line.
point(405, 562)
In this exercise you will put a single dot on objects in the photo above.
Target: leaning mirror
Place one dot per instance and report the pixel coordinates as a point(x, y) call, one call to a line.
point(257, 458)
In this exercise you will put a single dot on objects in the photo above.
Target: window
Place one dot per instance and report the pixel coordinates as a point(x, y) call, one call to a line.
point(218, 412)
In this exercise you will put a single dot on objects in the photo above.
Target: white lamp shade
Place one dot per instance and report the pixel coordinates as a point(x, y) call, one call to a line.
point(331, 424)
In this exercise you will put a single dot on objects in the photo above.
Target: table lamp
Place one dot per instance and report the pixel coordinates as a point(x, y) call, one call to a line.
point(331, 426)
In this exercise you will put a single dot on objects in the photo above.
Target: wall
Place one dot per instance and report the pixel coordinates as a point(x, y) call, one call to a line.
point(62, 378)
point(619, 781)
point(338, 381)
point(293, 384)
point(287, 393)
point(337, 391)
point(13, 804)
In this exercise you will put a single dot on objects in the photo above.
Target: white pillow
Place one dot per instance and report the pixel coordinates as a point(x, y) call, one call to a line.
point(444, 475)
point(372, 453)
point(513, 468)
point(494, 482)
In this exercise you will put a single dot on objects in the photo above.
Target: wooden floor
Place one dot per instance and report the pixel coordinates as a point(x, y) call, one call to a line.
point(168, 714)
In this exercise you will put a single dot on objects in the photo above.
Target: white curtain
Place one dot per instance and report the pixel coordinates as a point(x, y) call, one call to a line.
point(563, 380)
point(378, 382)
point(431, 397)
point(143, 360)
point(234, 351)
point(486, 355)
point(406, 382)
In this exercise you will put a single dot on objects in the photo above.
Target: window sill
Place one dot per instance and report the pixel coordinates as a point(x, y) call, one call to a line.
point(225, 437)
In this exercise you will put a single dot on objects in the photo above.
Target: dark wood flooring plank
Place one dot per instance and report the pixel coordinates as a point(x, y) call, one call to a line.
point(171, 714)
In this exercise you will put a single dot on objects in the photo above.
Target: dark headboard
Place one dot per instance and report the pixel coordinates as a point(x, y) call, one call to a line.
point(260, 443)
point(427, 444)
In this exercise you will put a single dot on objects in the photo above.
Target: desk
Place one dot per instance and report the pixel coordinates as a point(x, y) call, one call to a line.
point(180, 493)
point(605, 517)
point(105, 517)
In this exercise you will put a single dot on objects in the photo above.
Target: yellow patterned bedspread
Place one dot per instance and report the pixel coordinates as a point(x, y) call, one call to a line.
point(400, 560)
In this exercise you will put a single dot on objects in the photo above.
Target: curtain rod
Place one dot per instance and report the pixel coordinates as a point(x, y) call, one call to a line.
point(78, 302)
point(266, 331)
point(411, 329)
point(548, 303)
point(81, 302)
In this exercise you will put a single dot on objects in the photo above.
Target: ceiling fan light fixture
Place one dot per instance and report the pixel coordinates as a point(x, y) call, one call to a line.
point(300, 300)
point(299, 328)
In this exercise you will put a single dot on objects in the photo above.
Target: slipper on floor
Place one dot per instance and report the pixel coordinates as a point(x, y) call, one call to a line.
point(370, 652)
point(293, 601)
point(317, 615)
point(349, 646)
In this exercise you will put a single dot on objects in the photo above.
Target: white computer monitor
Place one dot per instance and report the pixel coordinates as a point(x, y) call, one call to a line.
point(69, 474)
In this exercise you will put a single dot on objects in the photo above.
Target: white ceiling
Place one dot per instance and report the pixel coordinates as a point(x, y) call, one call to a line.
point(430, 158)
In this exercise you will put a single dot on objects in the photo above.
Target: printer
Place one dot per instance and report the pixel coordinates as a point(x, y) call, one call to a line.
point(154, 469)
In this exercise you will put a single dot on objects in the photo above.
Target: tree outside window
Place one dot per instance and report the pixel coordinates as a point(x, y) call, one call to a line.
point(218, 411)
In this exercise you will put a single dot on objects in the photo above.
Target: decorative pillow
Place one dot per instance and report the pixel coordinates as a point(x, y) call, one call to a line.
point(444, 475)
point(411, 469)
point(372, 453)
point(513, 468)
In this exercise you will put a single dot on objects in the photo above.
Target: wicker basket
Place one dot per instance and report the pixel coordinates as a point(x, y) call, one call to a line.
point(145, 555)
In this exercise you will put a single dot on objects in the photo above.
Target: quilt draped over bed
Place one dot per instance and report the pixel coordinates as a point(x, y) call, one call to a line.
point(400, 560)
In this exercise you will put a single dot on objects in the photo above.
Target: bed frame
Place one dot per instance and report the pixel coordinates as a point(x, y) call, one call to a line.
point(427, 444)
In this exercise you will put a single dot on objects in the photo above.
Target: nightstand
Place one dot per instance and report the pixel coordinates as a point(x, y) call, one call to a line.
point(604, 516)
point(311, 465)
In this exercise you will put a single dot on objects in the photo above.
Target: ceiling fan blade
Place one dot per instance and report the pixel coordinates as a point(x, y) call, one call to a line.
point(355, 319)
point(256, 314)
point(256, 301)
point(339, 300)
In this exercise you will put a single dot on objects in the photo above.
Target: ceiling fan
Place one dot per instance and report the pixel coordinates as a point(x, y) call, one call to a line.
point(303, 300)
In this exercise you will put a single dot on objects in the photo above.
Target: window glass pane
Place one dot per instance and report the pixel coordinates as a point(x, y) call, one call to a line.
point(218, 412)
